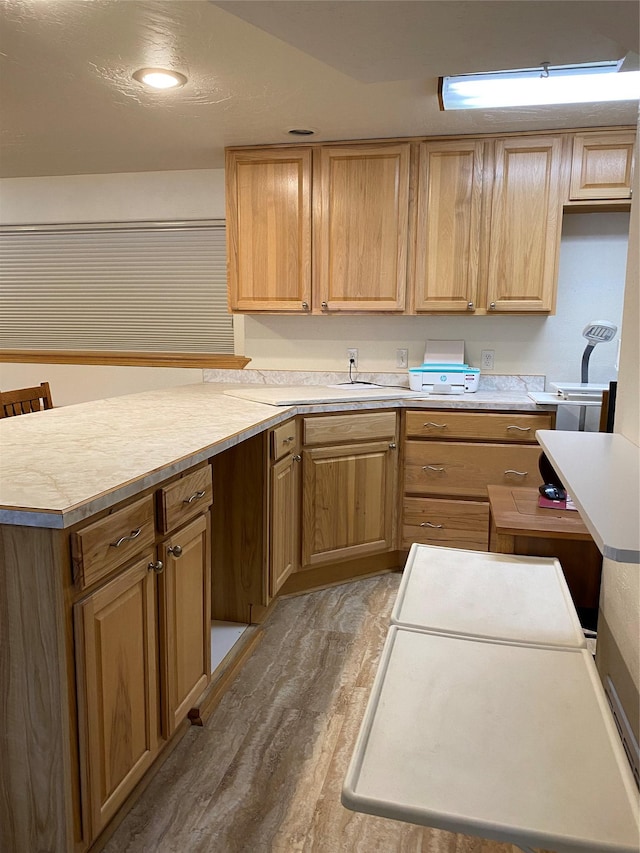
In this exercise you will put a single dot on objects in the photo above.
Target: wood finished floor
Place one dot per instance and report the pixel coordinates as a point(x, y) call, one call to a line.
point(265, 772)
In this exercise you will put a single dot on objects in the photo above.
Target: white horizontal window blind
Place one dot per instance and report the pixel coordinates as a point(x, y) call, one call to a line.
point(147, 287)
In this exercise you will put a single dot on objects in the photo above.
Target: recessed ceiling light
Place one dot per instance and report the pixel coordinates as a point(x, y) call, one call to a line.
point(159, 78)
point(590, 82)
point(301, 131)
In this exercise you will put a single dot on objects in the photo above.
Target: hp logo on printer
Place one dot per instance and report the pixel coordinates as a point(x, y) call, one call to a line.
point(443, 378)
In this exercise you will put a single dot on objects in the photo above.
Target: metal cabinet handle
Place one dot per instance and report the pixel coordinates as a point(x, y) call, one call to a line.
point(521, 429)
point(157, 567)
point(392, 445)
point(305, 306)
point(518, 473)
point(176, 550)
point(287, 440)
point(133, 535)
point(432, 468)
point(471, 306)
point(324, 306)
point(433, 424)
point(492, 306)
point(194, 497)
point(297, 458)
point(428, 524)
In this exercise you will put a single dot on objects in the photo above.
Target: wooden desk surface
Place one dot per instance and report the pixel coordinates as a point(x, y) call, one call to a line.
point(516, 511)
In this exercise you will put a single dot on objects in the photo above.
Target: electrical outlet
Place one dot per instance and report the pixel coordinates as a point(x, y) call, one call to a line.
point(352, 356)
point(402, 358)
point(486, 359)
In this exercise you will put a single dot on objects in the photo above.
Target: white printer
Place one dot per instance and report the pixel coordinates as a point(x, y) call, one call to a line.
point(444, 370)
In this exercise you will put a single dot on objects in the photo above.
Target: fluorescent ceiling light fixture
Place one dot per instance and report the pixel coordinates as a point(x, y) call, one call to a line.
point(590, 82)
point(159, 78)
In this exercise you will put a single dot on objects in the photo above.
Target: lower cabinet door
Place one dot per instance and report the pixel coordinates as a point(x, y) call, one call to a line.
point(348, 500)
point(117, 663)
point(454, 524)
point(185, 619)
point(284, 521)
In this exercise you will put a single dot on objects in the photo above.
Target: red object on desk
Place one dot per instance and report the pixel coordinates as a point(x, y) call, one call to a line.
point(549, 504)
point(545, 503)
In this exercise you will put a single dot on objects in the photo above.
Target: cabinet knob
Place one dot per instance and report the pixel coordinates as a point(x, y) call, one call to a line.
point(392, 445)
point(471, 306)
point(492, 306)
point(157, 567)
point(305, 306)
point(324, 306)
point(297, 458)
point(176, 550)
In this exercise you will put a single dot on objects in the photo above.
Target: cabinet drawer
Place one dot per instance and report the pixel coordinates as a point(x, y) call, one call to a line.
point(283, 440)
point(184, 499)
point(454, 524)
point(356, 427)
point(479, 426)
point(447, 468)
point(100, 547)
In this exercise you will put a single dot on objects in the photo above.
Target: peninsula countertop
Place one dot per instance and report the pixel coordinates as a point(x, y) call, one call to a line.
point(61, 466)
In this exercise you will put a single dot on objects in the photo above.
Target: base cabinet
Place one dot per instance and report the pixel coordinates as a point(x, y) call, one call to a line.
point(142, 635)
point(449, 460)
point(284, 542)
point(117, 688)
point(349, 489)
point(185, 619)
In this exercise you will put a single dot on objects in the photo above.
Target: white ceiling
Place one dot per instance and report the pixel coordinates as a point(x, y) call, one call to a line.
point(349, 70)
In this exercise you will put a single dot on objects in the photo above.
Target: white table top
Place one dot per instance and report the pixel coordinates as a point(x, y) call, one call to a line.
point(495, 596)
point(602, 473)
point(509, 742)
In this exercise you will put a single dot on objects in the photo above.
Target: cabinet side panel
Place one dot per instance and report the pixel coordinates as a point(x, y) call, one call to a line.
point(35, 809)
point(238, 531)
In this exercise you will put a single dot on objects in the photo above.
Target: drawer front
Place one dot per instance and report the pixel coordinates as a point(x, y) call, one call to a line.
point(356, 427)
point(283, 440)
point(476, 426)
point(454, 524)
point(446, 468)
point(184, 499)
point(101, 547)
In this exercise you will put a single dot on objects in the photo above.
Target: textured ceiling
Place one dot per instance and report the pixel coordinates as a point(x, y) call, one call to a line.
point(349, 70)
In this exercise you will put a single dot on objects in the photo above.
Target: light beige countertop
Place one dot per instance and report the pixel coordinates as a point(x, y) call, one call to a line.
point(61, 466)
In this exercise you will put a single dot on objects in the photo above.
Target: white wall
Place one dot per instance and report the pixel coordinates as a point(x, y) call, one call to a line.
point(618, 651)
point(591, 283)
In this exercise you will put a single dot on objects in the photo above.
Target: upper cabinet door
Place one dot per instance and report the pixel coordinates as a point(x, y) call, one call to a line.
point(448, 226)
point(269, 229)
point(361, 228)
point(526, 222)
point(602, 165)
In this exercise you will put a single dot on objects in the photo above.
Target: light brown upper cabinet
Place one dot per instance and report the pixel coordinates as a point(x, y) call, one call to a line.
point(489, 219)
point(448, 225)
point(525, 224)
point(269, 229)
point(361, 227)
point(602, 165)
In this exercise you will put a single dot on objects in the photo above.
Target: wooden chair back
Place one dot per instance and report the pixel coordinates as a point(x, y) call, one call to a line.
point(22, 401)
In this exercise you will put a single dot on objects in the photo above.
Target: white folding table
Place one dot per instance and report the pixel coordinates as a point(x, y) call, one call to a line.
point(495, 596)
point(502, 740)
